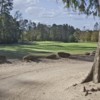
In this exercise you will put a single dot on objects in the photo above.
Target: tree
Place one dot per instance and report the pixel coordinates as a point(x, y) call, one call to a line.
point(18, 15)
point(23, 27)
point(96, 26)
point(89, 7)
point(77, 35)
point(94, 36)
point(6, 6)
point(9, 25)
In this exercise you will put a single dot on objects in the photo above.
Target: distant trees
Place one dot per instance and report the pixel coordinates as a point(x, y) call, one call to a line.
point(9, 27)
point(14, 29)
point(64, 33)
point(86, 36)
point(42, 32)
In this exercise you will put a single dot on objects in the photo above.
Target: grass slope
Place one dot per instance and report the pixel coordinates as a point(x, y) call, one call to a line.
point(43, 48)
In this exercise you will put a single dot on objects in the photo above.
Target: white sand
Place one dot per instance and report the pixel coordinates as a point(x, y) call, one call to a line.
point(46, 80)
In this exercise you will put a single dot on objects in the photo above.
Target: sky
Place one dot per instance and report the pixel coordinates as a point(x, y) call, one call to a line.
point(52, 12)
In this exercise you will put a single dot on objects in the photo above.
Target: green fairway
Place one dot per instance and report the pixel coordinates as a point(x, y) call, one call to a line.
point(44, 48)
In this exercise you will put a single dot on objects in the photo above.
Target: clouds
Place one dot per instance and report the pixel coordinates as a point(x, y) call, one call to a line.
point(20, 4)
point(29, 2)
point(35, 9)
point(41, 12)
point(49, 12)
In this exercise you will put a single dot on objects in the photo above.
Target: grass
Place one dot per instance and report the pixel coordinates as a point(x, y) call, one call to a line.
point(44, 48)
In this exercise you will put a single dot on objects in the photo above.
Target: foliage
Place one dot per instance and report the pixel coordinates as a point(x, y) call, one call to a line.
point(55, 32)
point(86, 36)
point(84, 6)
point(15, 29)
point(9, 27)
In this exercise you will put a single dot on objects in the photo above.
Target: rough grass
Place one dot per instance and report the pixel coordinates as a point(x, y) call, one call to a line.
point(45, 48)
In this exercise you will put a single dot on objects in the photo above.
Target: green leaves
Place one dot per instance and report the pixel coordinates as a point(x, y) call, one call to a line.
point(6, 6)
point(86, 6)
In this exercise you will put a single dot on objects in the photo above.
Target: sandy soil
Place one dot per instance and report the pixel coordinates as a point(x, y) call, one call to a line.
point(46, 80)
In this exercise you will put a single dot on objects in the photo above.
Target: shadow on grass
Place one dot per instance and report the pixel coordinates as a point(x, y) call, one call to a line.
point(82, 58)
point(20, 53)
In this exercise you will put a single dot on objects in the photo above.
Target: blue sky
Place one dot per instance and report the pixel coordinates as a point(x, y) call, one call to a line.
point(50, 12)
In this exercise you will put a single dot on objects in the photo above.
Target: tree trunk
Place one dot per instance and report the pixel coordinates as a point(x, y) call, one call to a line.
point(94, 74)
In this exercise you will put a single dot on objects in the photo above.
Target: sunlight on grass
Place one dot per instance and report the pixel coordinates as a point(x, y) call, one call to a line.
point(46, 47)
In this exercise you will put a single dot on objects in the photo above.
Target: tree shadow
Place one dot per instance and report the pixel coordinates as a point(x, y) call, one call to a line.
point(20, 53)
point(4, 94)
point(33, 83)
point(87, 58)
point(30, 82)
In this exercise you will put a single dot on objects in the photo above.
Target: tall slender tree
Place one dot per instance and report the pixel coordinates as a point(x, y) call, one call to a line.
point(5, 7)
point(89, 7)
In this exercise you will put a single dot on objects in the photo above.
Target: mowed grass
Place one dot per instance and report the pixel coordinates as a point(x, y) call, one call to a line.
point(45, 48)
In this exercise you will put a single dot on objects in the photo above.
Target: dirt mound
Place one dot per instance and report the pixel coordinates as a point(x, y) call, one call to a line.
point(52, 56)
point(63, 54)
point(29, 58)
point(87, 53)
point(90, 53)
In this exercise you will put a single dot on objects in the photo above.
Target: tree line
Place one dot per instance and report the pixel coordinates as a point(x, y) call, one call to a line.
point(64, 33)
point(15, 29)
point(42, 32)
point(86, 36)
